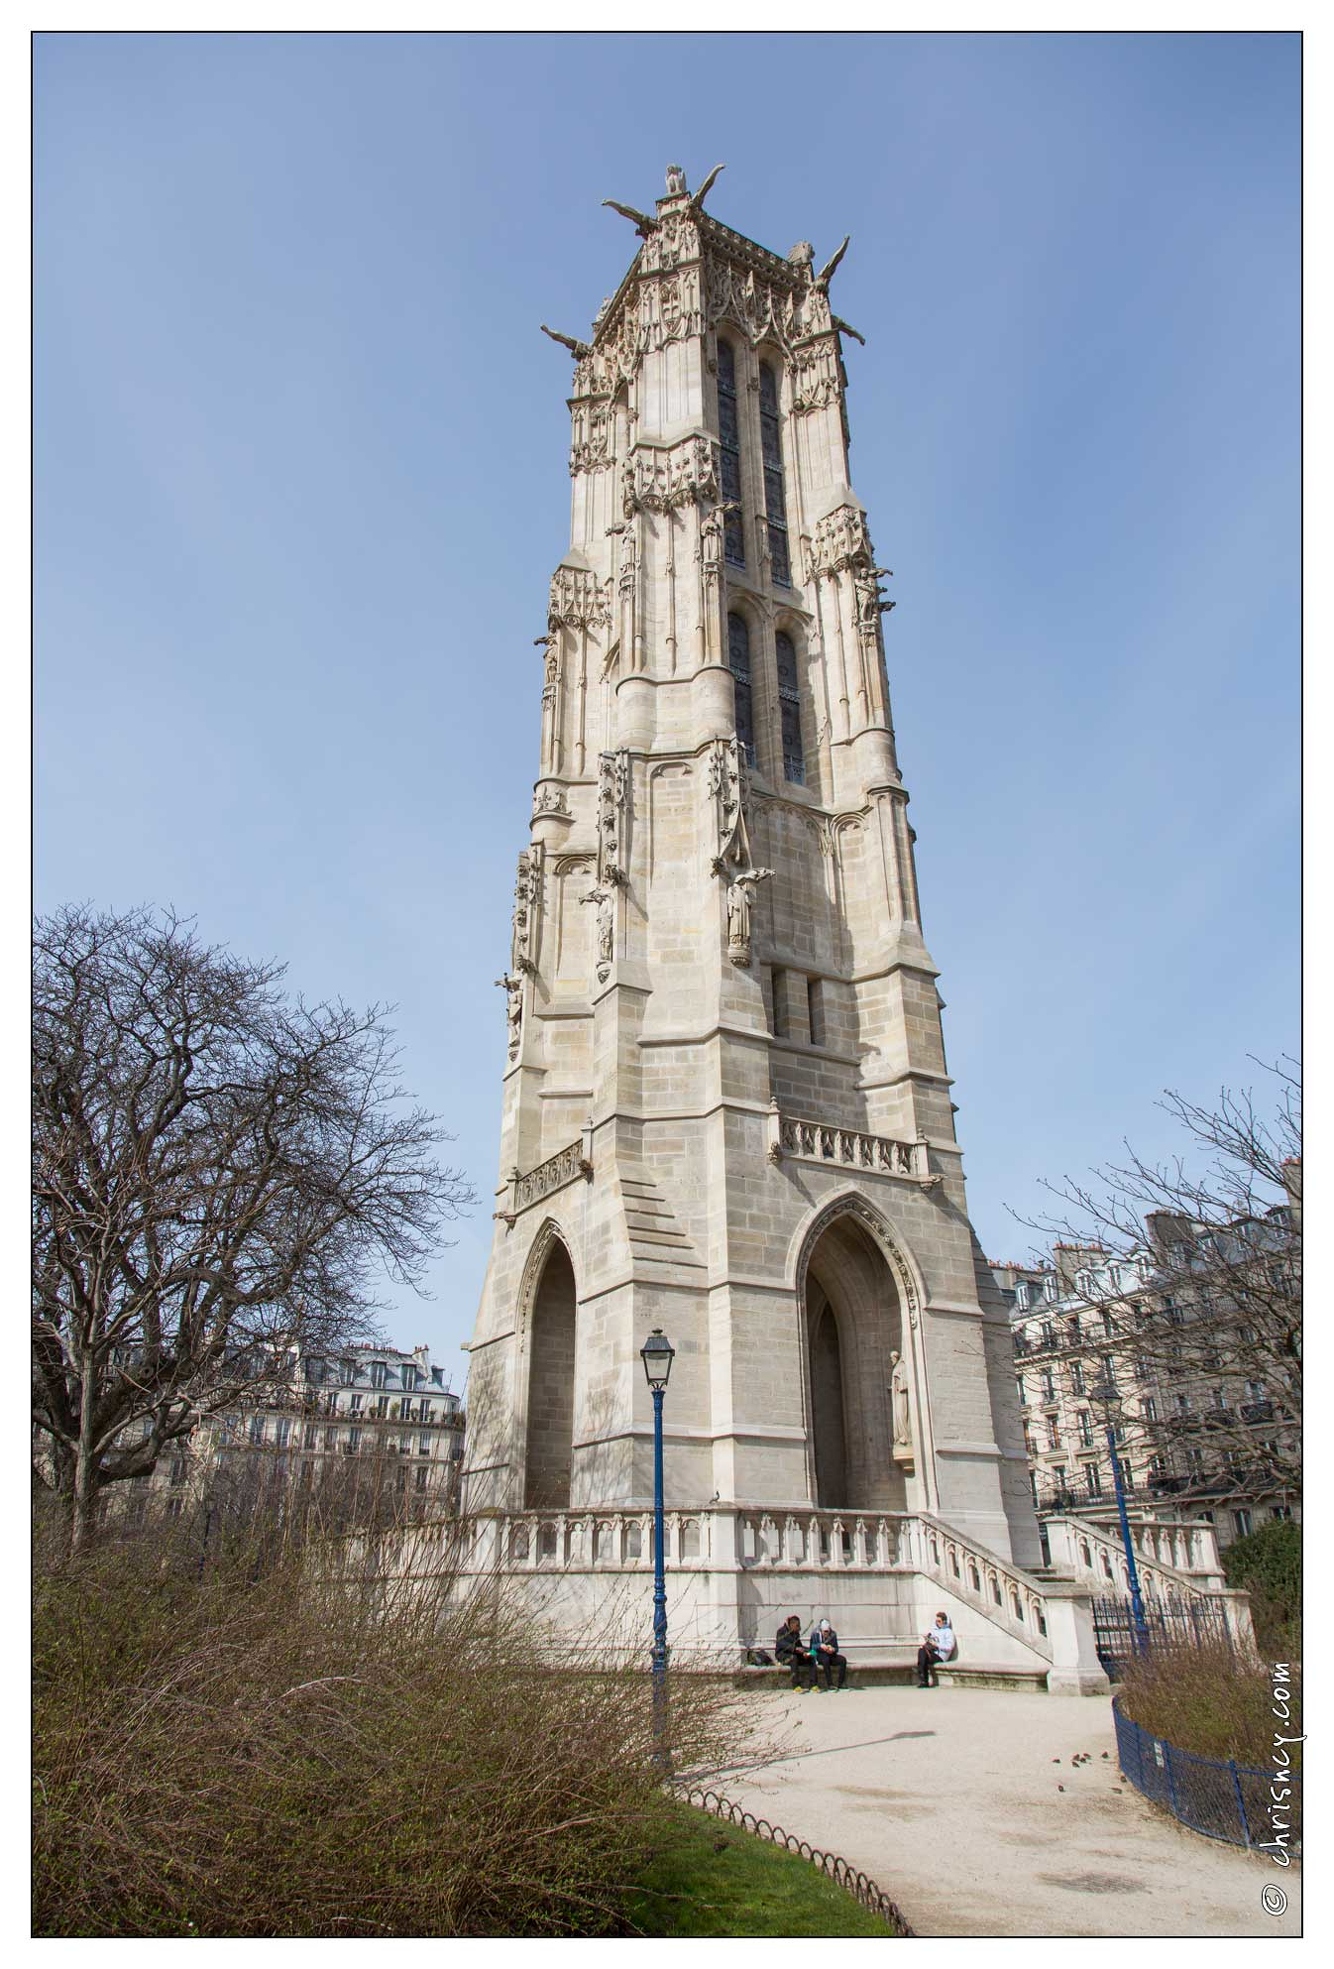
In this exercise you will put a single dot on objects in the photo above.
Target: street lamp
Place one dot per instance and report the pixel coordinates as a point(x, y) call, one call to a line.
point(657, 1354)
point(1108, 1401)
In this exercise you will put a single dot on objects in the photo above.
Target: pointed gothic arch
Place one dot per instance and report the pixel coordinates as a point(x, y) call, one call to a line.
point(859, 1296)
point(548, 1332)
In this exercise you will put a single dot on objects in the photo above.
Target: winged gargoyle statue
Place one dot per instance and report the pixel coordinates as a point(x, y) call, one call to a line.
point(697, 198)
point(641, 221)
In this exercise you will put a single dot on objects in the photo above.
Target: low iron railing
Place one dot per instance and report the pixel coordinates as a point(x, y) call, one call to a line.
point(1219, 1798)
point(860, 1885)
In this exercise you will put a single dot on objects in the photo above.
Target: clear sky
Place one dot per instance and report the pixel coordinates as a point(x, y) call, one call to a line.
point(301, 482)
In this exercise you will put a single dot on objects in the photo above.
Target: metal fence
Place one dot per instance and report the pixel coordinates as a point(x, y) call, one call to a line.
point(859, 1885)
point(1228, 1801)
point(1169, 1620)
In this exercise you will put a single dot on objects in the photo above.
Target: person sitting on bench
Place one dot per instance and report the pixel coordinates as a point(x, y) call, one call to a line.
point(790, 1653)
point(937, 1646)
point(826, 1657)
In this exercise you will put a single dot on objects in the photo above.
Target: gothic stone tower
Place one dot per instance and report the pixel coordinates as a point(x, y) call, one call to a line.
point(726, 1105)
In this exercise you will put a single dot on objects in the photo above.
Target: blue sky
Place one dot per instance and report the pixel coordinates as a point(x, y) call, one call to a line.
point(300, 484)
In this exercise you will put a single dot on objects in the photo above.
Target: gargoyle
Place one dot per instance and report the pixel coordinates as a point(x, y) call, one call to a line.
point(576, 348)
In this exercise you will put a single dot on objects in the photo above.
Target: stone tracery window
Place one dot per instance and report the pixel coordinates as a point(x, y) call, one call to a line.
point(729, 434)
point(738, 662)
point(771, 454)
point(789, 708)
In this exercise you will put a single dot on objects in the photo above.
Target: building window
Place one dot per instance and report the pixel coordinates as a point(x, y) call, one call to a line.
point(331, 1439)
point(1282, 1512)
point(354, 1404)
point(738, 662)
point(1093, 1479)
point(377, 1374)
point(1183, 1404)
point(1149, 1409)
point(1053, 1436)
point(815, 989)
point(409, 1375)
point(1241, 1521)
point(354, 1439)
point(312, 1436)
point(1019, 1389)
point(1077, 1377)
point(178, 1472)
point(423, 1445)
point(1220, 1397)
point(729, 434)
point(1048, 1385)
point(789, 708)
point(282, 1429)
point(1048, 1334)
point(771, 453)
point(257, 1429)
point(1108, 1327)
point(423, 1476)
point(1085, 1428)
point(1021, 1296)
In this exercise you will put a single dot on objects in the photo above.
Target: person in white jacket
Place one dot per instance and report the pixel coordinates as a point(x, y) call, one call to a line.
point(937, 1646)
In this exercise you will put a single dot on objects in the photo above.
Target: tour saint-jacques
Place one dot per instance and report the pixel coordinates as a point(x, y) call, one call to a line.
point(726, 1106)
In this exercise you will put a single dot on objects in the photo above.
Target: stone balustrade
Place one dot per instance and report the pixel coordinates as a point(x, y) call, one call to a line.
point(568, 1163)
point(849, 1148)
point(795, 1541)
point(1175, 1562)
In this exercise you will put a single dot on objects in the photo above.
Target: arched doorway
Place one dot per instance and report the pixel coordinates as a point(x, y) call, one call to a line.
point(550, 1440)
point(855, 1328)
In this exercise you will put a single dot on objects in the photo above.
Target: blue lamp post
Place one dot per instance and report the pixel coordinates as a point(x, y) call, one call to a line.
point(1108, 1402)
point(657, 1354)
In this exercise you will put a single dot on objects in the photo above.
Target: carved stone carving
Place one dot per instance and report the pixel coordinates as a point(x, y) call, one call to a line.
point(657, 481)
point(578, 600)
point(840, 540)
point(591, 429)
point(740, 895)
point(527, 908)
point(613, 794)
point(512, 986)
point(900, 1409)
point(727, 785)
point(817, 374)
point(605, 902)
point(550, 800)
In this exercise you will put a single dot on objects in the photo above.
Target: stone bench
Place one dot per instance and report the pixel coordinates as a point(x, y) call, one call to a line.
point(883, 1672)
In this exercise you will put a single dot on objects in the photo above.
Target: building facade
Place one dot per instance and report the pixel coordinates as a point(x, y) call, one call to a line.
point(373, 1430)
point(1187, 1405)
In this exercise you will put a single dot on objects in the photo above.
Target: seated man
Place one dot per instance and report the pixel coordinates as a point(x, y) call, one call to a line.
point(789, 1653)
point(937, 1646)
point(826, 1657)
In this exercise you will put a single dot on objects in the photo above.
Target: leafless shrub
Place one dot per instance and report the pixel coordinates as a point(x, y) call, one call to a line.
point(252, 1749)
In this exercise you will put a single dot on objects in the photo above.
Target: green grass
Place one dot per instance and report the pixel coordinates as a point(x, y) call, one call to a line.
point(707, 1877)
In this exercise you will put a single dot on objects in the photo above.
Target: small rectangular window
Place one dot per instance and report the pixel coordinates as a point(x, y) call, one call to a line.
point(779, 980)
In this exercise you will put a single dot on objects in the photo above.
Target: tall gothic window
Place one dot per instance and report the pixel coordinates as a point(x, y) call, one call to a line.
point(775, 507)
point(729, 433)
point(738, 662)
point(789, 708)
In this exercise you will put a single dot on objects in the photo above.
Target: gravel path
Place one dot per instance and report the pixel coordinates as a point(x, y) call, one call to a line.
point(964, 1806)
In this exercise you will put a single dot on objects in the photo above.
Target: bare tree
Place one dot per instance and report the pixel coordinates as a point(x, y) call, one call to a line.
point(1203, 1316)
point(220, 1172)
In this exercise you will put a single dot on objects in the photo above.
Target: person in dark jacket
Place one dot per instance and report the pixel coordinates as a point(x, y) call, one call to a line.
point(826, 1657)
point(790, 1653)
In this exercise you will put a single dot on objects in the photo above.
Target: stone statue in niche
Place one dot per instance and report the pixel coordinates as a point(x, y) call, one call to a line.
point(900, 1410)
point(605, 902)
point(512, 986)
point(740, 899)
